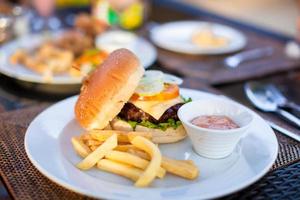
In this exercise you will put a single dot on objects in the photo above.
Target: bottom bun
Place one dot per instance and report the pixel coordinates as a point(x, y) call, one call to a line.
point(158, 136)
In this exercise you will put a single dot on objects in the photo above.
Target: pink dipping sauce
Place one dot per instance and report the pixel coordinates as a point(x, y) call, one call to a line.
point(219, 122)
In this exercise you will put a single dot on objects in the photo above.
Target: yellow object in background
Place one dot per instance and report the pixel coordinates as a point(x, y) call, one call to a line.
point(132, 17)
point(69, 3)
point(129, 18)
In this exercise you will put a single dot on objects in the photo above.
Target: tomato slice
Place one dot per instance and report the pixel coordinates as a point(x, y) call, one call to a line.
point(94, 58)
point(170, 91)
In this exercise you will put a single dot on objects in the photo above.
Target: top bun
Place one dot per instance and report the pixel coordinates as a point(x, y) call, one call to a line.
point(107, 89)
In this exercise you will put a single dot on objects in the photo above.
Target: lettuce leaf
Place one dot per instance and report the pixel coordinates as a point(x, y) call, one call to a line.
point(186, 100)
point(171, 123)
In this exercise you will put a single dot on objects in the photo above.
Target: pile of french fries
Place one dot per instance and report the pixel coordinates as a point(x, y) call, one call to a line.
point(129, 154)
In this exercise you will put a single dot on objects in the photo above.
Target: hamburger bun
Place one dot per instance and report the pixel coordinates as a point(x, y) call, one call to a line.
point(158, 136)
point(107, 89)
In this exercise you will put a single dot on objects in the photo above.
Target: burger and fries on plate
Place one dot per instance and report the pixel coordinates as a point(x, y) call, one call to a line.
point(124, 137)
point(127, 112)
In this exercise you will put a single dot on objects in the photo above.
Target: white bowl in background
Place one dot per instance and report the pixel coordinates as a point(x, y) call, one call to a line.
point(116, 39)
point(213, 143)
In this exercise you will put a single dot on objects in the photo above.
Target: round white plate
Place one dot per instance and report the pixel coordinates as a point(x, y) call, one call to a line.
point(145, 51)
point(48, 146)
point(115, 39)
point(176, 36)
point(22, 73)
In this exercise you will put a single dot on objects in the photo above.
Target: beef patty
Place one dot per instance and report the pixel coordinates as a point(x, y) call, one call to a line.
point(133, 113)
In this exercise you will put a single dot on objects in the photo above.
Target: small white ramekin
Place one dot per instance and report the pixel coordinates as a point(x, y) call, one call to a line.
point(212, 143)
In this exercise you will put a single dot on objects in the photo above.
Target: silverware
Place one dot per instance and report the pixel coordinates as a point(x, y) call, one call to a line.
point(284, 131)
point(257, 94)
point(235, 60)
point(274, 93)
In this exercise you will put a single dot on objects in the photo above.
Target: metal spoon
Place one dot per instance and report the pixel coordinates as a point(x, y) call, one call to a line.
point(259, 98)
point(274, 93)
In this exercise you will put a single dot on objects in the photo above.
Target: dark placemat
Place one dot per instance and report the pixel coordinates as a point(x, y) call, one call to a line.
point(208, 68)
point(25, 182)
point(283, 183)
point(20, 177)
point(13, 95)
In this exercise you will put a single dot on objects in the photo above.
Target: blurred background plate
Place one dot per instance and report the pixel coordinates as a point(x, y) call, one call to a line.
point(20, 72)
point(177, 36)
point(61, 83)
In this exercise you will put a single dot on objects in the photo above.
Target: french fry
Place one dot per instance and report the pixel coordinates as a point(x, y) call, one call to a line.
point(129, 148)
point(189, 162)
point(123, 143)
point(123, 136)
point(139, 153)
point(85, 137)
point(89, 161)
point(180, 168)
point(133, 134)
point(93, 142)
point(80, 148)
point(102, 135)
point(154, 165)
point(93, 148)
point(133, 160)
point(120, 169)
point(124, 147)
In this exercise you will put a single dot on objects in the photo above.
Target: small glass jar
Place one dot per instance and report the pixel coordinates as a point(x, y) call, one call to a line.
point(6, 28)
point(21, 21)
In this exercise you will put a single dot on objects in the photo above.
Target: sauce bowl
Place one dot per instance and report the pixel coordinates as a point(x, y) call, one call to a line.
point(214, 143)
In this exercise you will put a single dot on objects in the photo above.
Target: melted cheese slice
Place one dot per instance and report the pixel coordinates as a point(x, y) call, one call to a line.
point(156, 108)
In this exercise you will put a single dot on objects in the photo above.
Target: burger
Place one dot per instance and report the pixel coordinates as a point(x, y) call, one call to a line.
point(120, 95)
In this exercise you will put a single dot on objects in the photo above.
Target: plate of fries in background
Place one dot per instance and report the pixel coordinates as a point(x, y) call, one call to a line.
point(128, 165)
point(29, 58)
point(60, 58)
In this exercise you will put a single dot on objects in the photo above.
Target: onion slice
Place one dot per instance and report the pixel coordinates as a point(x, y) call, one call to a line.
point(171, 79)
point(153, 82)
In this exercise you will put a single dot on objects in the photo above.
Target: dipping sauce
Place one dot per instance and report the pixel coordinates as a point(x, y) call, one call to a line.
point(219, 122)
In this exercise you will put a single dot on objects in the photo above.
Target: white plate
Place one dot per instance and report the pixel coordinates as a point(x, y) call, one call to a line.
point(115, 39)
point(22, 73)
point(48, 146)
point(176, 36)
point(144, 50)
